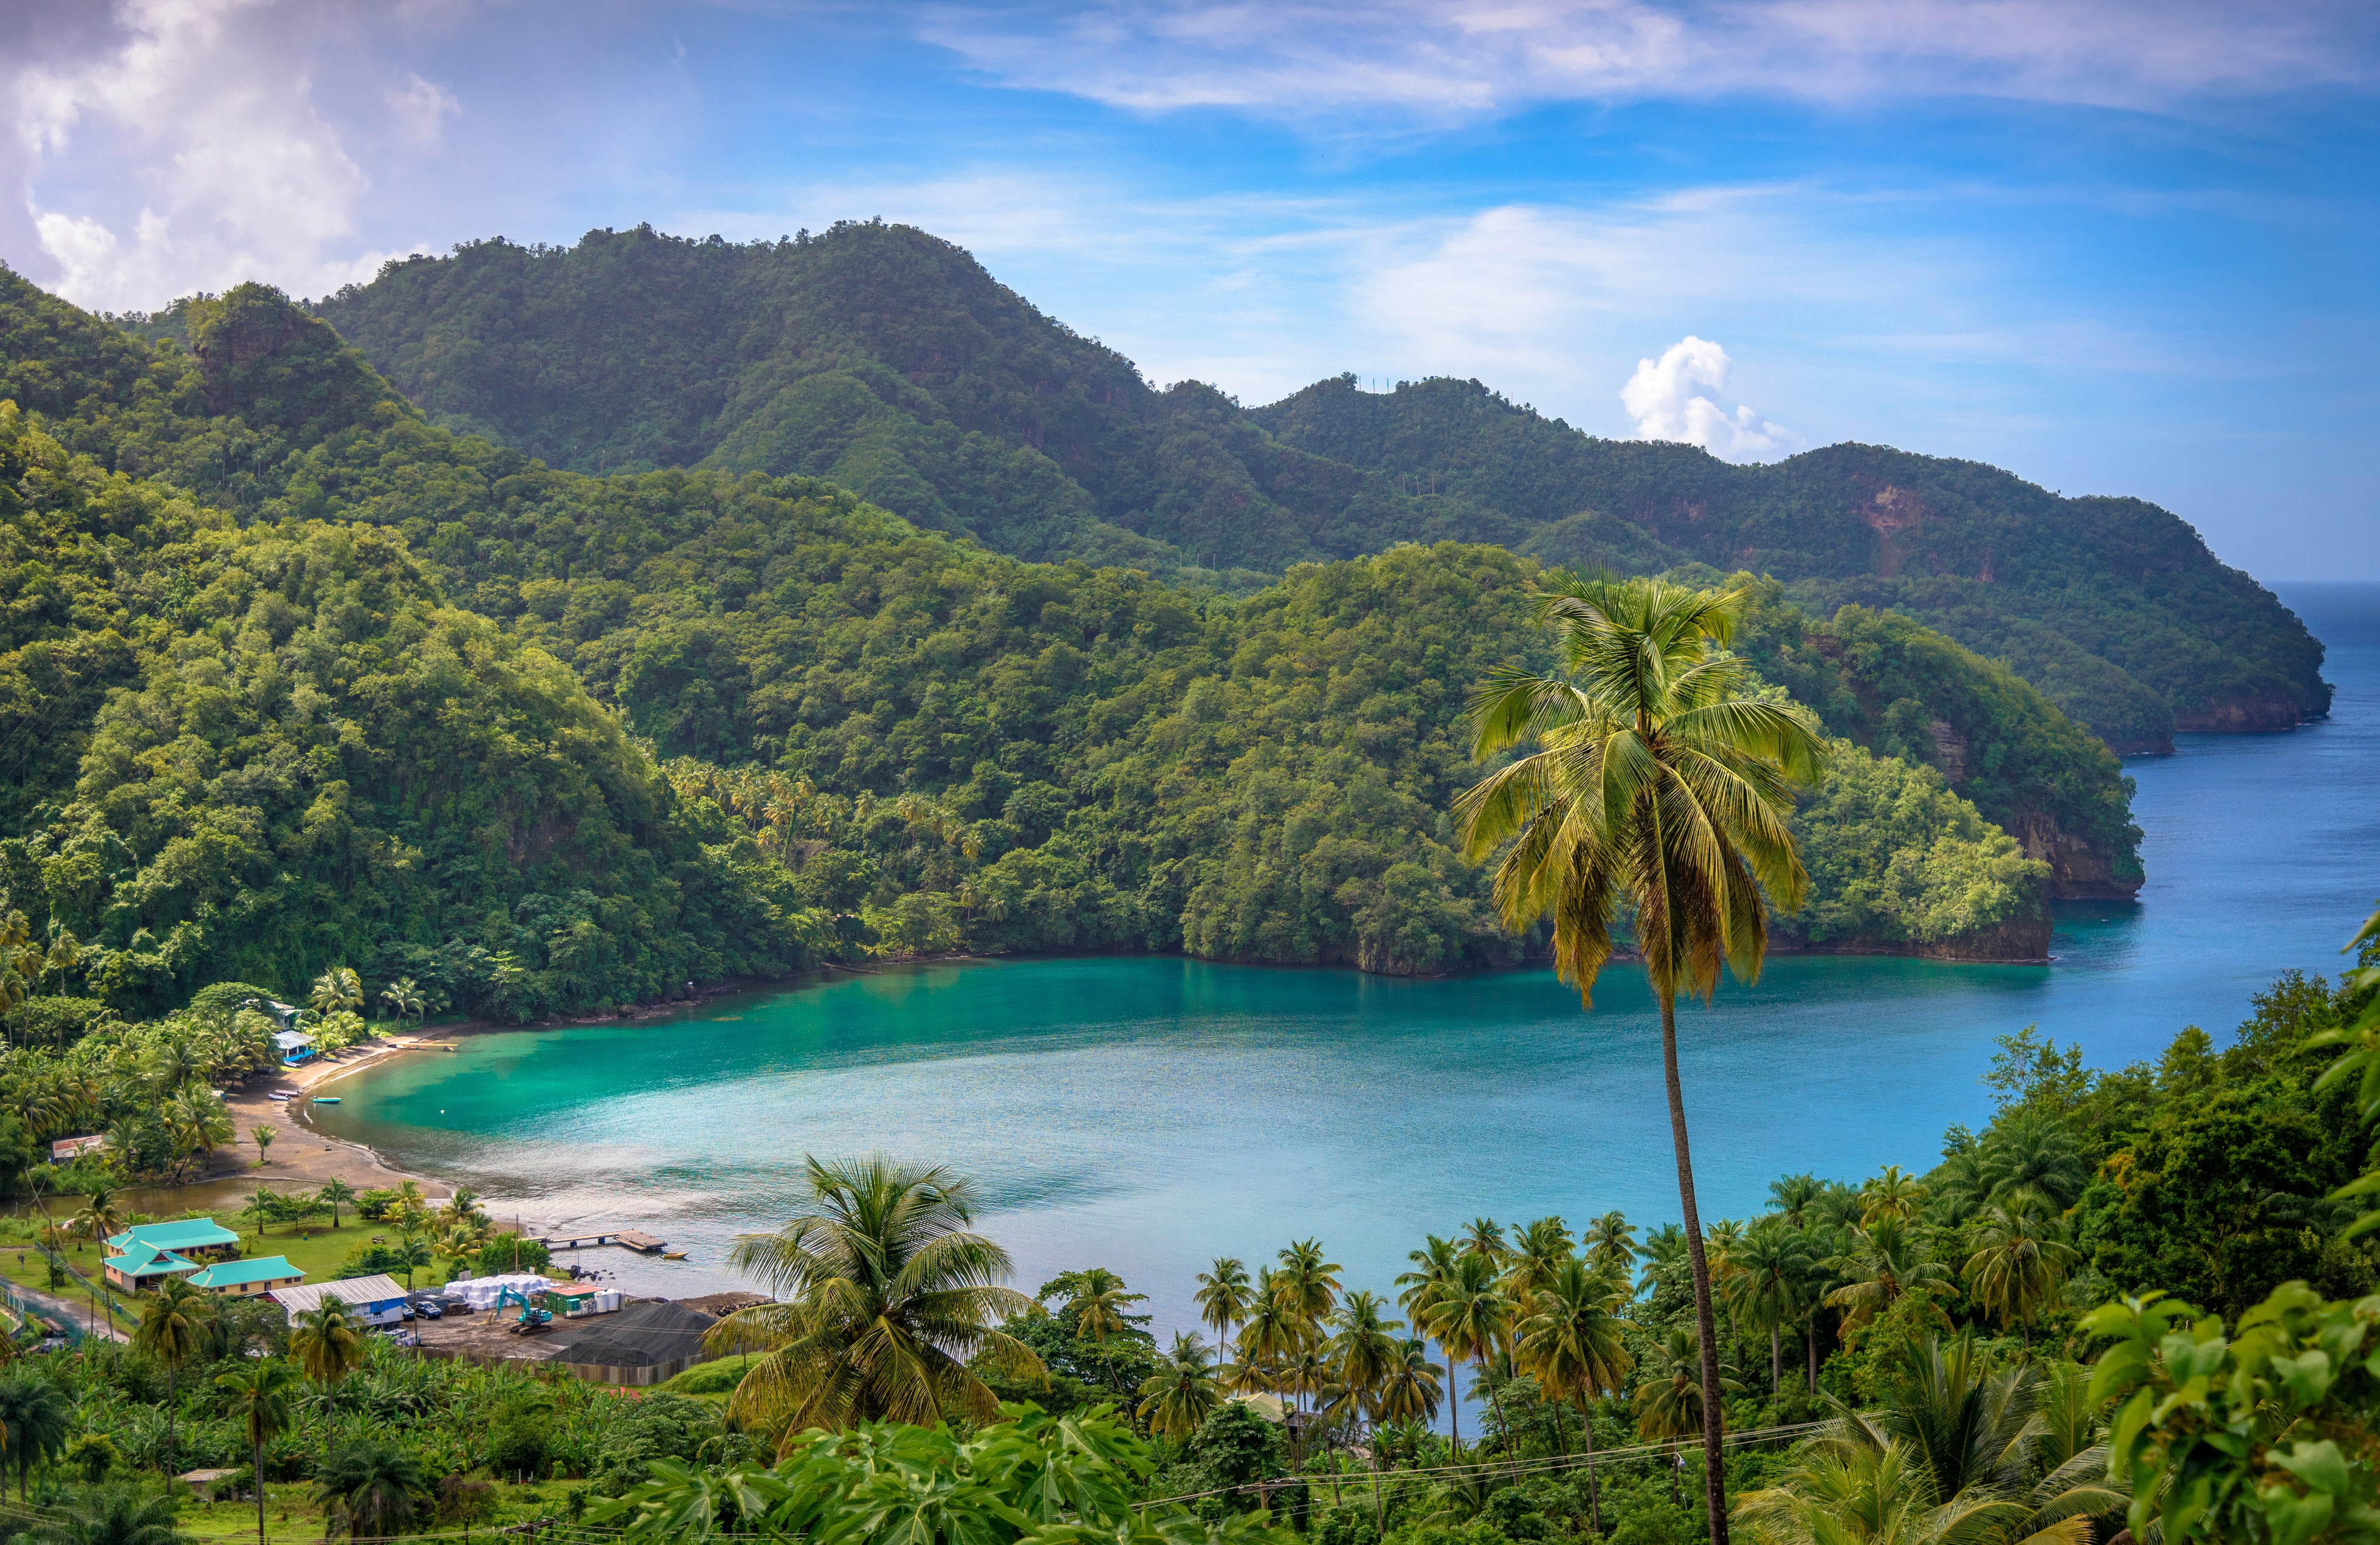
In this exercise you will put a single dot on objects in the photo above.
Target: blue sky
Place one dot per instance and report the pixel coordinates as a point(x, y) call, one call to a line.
point(2119, 248)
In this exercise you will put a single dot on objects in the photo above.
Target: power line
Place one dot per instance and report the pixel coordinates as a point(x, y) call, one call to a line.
point(1546, 1465)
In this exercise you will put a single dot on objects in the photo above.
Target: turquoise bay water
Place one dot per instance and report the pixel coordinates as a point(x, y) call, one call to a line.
point(1149, 1114)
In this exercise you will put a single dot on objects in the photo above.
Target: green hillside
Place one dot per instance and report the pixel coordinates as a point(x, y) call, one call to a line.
point(2113, 607)
point(289, 676)
point(889, 362)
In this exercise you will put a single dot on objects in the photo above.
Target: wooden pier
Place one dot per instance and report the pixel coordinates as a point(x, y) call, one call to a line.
point(627, 1239)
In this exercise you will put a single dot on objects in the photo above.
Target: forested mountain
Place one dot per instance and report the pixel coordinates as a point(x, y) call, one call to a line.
point(890, 363)
point(289, 675)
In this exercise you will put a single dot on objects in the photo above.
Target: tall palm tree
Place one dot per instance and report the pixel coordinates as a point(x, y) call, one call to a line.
point(328, 1342)
point(260, 1398)
point(1884, 1264)
point(1537, 1252)
point(1794, 1197)
point(1307, 1286)
point(1771, 1265)
point(412, 1252)
point(200, 1122)
point(1719, 1241)
point(402, 999)
point(887, 1296)
point(1270, 1336)
point(172, 1327)
point(337, 1193)
point(1485, 1237)
point(1434, 1265)
point(1659, 779)
point(2020, 1262)
point(1892, 1195)
point(338, 988)
point(1610, 1245)
point(1222, 1298)
point(1365, 1355)
point(101, 1219)
point(1411, 1392)
point(1669, 1403)
point(2028, 1151)
point(1100, 1305)
point(1471, 1316)
point(1182, 1393)
point(1571, 1344)
point(261, 1205)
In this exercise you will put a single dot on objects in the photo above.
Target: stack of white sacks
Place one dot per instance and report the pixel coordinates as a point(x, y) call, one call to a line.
point(482, 1293)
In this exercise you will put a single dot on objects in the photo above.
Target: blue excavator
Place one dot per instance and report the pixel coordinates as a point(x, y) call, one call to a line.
point(532, 1318)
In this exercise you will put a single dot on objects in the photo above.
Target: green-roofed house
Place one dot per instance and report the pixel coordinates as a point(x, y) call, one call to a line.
point(140, 1267)
point(184, 1236)
point(241, 1279)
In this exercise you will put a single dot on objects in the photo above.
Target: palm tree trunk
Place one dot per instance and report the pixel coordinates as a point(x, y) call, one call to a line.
point(1496, 1401)
point(259, 1492)
point(1713, 1417)
point(1775, 1359)
point(1810, 1346)
point(1594, 1501)
point(1453, 1406)
point(1378, 1524)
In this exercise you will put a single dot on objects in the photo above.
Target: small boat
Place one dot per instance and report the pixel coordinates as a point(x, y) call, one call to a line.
point(672, 1255)
point(327, 1100)
point(278, 1094)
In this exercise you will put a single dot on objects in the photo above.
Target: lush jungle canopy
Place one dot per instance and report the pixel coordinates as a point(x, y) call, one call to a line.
point(891, 363)
point(291, 677)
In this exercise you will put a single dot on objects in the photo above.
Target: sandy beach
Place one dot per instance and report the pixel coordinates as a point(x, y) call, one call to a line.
point(301, 1157)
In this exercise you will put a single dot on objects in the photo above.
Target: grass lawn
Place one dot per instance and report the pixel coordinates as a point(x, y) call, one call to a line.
point(291, 1517)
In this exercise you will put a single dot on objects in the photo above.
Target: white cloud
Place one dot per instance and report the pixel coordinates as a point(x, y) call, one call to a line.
point(220, 168)
point(1666, 396)
point(1459, 59)
point(420, 108)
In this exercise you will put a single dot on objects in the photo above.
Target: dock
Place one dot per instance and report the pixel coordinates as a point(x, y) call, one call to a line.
point(627, 1239)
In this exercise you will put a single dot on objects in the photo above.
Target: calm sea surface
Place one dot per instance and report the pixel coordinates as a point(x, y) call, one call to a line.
point(1149, 1114)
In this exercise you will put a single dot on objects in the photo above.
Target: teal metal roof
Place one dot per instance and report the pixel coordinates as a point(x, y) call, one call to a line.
point(232, 1274)
point(183, 1234)
point(147, 1260)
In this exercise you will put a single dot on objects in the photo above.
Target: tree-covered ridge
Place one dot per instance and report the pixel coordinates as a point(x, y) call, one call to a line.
point(2113, 607)
point(243, 753)
point(874, 736)
point(891, 363)
point(876, 357)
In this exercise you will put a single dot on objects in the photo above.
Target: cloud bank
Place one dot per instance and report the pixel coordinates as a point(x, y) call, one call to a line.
point(1462, 59)
point(214, 162)
point(1666, 398)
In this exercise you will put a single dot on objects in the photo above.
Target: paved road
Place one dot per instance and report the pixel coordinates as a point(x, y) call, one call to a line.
point(75, 1310)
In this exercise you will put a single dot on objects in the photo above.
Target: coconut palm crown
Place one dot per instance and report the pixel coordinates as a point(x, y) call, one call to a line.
point(1661, 780)
point(888, 1296)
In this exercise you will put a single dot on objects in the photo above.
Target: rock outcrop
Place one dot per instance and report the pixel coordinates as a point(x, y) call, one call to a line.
point(2077, 870)
point(2244, 716)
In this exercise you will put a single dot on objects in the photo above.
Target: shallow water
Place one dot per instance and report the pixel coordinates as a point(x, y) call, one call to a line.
point(1149, 1114)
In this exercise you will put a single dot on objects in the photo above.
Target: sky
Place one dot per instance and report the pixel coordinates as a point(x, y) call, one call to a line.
point(2118, 247)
